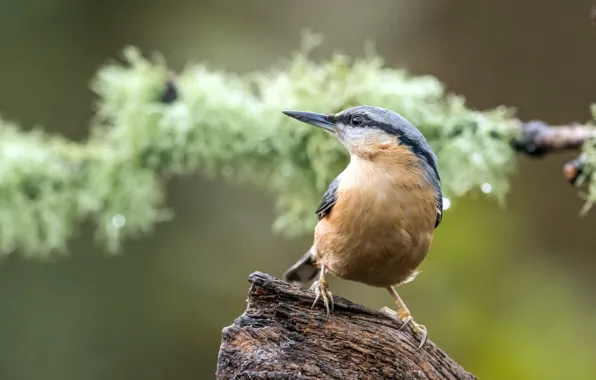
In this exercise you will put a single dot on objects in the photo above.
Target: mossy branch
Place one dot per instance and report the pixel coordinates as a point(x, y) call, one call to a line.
point(222, 124)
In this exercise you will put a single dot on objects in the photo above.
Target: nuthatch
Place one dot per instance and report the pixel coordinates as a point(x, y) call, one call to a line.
point(377, 218)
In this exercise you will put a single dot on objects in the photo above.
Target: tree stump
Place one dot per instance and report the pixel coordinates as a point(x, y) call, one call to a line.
point(279, 337)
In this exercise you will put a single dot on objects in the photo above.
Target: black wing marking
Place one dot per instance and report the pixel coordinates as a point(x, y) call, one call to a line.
point(432, 176)
point(439, 199)
point(435, 181)
point(329, 199)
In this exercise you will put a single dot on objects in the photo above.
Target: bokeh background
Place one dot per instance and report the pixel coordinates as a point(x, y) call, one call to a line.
point(508, 291)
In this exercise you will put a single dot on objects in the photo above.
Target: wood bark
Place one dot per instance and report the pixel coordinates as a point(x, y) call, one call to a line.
point(279, 337)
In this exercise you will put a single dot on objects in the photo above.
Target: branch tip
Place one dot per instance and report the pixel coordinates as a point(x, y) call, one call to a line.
point(573, 169)
point(170, 92)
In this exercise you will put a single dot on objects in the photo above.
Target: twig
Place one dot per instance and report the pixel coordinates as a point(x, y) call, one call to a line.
point(574, 169)
point(280, 337)
point(539, 138)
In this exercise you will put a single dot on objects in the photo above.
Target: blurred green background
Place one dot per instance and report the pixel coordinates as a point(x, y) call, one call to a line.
point(507, 291)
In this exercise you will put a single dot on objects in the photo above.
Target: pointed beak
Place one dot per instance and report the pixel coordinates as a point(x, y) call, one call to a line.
point(317, 119)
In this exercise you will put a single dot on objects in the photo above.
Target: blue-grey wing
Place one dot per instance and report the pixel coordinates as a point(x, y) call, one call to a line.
point(329, 199)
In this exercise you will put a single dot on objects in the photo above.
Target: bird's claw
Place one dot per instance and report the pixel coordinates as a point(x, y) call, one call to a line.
point(419, 330)
point(321, 290)
point(407, 319)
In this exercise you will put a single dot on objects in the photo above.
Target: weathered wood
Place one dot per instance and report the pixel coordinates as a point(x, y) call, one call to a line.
point(279, 337)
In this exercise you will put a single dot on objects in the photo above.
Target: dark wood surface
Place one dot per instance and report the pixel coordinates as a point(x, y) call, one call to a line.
point(280, 337)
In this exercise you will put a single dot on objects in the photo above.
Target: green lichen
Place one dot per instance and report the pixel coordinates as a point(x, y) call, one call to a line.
point(227, 125)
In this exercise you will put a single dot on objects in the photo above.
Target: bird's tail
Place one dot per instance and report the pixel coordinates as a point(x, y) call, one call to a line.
point(303, 271)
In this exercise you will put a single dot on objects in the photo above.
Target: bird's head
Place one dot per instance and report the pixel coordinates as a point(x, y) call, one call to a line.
point(366, 128)
point(372, 133)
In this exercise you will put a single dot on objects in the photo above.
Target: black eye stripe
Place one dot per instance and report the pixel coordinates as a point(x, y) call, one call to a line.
point(354, 120)
point(344, 119)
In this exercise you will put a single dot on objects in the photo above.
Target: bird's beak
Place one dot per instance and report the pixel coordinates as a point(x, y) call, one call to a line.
point(316, 119)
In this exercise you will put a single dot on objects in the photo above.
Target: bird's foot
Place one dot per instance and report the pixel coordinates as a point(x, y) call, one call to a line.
point(321, 289)
point(406, 319)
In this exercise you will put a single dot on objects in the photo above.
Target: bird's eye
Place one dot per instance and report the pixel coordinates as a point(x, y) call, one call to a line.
point(356, 120)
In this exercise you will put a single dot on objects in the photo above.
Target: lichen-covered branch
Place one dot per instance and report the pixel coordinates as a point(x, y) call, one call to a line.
point(280, 337)
point(150, 126)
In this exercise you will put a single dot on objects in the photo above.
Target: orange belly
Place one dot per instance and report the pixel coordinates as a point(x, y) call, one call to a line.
point(379, 231)
point(372, 254)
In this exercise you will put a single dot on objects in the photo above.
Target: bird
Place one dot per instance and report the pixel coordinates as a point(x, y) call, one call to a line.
point(376, 221)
